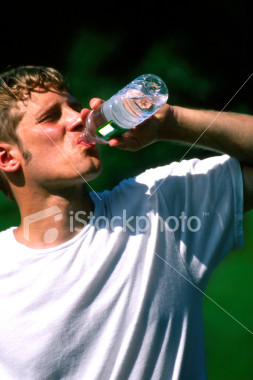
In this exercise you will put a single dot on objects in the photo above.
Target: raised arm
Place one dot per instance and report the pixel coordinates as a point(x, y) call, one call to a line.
point(226, 132)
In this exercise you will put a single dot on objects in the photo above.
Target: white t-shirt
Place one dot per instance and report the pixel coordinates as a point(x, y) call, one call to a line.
point(122, 300)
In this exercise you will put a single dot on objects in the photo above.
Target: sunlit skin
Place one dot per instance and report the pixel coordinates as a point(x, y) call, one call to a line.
point(58, 166)
point(50, 130)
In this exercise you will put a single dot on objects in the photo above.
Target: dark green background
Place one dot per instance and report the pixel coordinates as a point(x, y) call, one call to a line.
point(204, 56)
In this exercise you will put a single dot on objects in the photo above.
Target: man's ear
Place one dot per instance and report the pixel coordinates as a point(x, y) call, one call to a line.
point(9, 161)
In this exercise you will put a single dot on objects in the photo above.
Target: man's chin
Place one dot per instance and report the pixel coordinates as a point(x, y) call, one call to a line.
point(93, 173)
point(80, 176)
point(91, 176)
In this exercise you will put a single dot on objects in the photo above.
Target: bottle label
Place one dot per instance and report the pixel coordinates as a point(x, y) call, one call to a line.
point(110, 129)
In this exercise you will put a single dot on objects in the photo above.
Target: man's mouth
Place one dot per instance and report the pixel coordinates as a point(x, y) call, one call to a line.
point(83, 139)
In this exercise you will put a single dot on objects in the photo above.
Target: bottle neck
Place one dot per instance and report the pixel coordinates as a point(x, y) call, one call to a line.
point(94, 120)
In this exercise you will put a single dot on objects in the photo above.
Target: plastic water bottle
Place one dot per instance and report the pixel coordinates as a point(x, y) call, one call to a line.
point(127, 108)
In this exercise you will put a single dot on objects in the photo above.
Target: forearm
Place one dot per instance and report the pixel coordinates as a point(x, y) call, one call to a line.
point(229, 133)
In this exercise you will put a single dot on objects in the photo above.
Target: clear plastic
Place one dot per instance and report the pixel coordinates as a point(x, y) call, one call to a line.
point(129, 107)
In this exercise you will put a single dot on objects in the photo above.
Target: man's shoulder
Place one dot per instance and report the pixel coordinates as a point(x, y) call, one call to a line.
point(7, 243)
point(152, 175)
point(7, 238)
point(136, 189)
point(7, 234)
point(150, 180)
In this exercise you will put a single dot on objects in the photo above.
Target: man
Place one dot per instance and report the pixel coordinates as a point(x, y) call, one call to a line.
point(108, 286)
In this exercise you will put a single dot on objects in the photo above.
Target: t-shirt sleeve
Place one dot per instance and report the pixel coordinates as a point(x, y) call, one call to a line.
point(204, 210)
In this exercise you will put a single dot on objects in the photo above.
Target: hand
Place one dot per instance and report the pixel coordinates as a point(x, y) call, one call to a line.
point(140, 136)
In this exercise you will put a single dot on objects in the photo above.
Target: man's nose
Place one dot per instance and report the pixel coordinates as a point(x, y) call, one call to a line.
point(74, 121)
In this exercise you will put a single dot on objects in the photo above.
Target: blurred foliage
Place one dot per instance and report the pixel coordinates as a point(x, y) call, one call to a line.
point(204, 64)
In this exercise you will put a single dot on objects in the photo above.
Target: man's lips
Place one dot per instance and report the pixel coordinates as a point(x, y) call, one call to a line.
point(83, 139)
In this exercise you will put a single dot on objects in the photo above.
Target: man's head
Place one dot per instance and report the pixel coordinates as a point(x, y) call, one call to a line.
point(39, 127)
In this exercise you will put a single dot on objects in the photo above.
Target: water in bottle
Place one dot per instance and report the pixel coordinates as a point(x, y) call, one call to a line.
point(127, 108)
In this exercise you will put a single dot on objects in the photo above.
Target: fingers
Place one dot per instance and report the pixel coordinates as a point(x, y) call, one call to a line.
point(114, 141)
point(124, 143)
point(84, 113)
point(95, 103)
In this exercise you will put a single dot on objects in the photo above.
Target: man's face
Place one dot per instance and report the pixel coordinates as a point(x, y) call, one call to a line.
point(50, 131)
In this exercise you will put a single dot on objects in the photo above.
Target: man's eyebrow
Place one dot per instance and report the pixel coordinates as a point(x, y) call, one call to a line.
point(47, 110)
point(56, 106)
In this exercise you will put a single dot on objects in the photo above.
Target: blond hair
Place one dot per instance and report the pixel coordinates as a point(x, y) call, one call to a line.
point(15, 86)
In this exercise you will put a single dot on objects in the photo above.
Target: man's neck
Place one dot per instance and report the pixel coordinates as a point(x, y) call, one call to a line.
point(48, 221)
